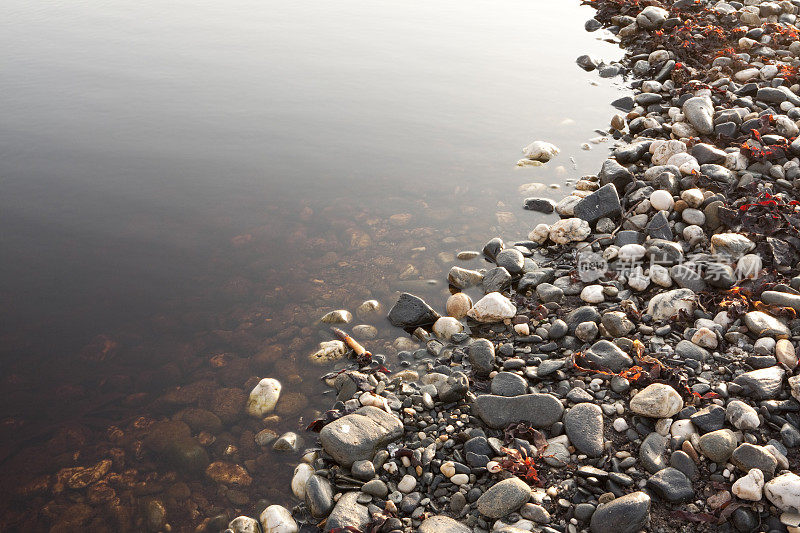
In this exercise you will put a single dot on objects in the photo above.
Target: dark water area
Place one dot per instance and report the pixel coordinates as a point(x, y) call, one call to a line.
point(187, 187)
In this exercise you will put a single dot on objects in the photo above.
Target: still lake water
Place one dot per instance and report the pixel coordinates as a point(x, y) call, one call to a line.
point(187, 179)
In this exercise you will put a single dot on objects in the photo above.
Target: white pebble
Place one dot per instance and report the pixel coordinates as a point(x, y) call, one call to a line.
point(620, 425)
point(661, 200)
point(460, 479)
point(407, 484)
point(693, 197)
point(693, 216)
point(592, 294)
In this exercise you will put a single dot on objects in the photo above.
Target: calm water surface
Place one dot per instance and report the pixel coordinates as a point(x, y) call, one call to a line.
point(186, 187)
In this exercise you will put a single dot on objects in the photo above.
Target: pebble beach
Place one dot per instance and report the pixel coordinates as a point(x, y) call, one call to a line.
point(630, 367)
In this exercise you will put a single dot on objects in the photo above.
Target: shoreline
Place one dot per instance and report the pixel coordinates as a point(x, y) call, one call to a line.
point(637, 374)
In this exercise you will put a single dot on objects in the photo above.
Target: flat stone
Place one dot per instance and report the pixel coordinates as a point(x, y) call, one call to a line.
point(540, 205)
point(503, 498)
point(709, 418)
point(358, 435)
point(762, 384)
point(348, 512)
point(539, 410)
point(626, 514)
point(748, 456)
point(672, 485)
point(607, 355)
point(442, 524)
point(765, 325)
point(604, 202)
point(583, 425)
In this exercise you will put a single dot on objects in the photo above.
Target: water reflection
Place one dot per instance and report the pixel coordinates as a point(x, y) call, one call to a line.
point(188, 187)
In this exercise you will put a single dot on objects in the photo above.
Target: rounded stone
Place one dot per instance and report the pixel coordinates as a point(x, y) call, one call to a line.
point(657, 400)
point(458, 305)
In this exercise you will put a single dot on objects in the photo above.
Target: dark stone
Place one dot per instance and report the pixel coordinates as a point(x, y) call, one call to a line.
point(411, 311)
point(584, 313)
point(626, 514)
point(653, 452)
point(539, 410)
point(658, 227)
point(709, 418)
point(584, 427)
point(607, 355)
point(511, 259)
point(508, 384)
point(747, 456)
point(493, 247)
point(496, 279)
point(604, 202)
point(481, 355)
point(613, 172)
point(540, 205)
point(671, 484)
point(684, 463)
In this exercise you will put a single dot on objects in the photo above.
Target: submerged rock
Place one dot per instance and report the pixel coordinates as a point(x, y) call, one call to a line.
point(411, 311)
point(264, 397)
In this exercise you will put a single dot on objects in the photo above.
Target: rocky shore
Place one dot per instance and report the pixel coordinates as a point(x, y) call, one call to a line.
point(631, 366)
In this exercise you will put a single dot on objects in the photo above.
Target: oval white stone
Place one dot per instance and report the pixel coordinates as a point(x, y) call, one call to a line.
point(263, 397)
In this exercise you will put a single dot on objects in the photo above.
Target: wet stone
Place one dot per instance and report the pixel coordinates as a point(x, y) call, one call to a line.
point(319, 496)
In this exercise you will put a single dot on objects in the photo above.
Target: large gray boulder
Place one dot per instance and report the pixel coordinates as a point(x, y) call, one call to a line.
point(358, 435)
